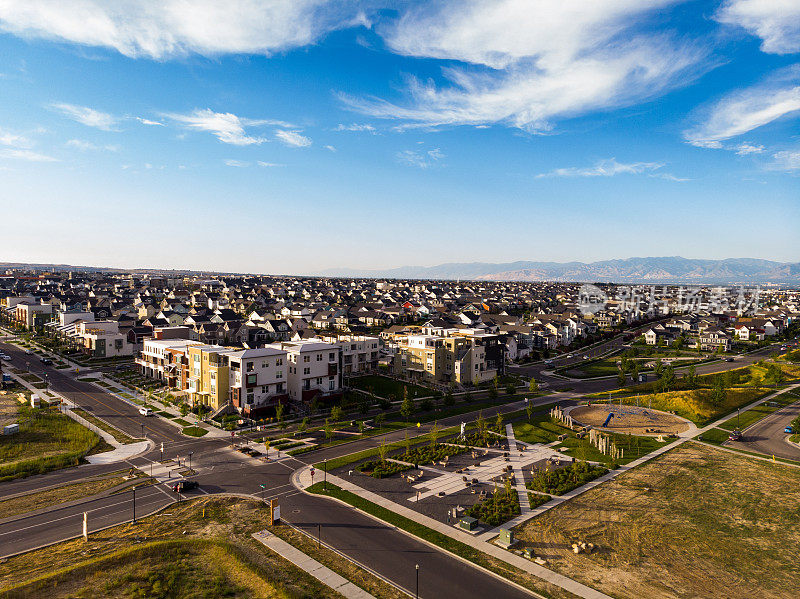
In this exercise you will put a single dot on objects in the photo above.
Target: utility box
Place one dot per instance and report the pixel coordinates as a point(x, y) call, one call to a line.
point(506, 538)
point(35, 401)
point(274, 511)
point(468, 523)
point(11, 429)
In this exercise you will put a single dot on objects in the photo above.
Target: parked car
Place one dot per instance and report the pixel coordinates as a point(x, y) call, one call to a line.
point(145, 411)
point(729, 359)
point(184, 485)
point(29, 352)
point(548, 362)
point(736, 435)
point(570, 355)
point(788, 430)
point(6, 357)
point(45, 361)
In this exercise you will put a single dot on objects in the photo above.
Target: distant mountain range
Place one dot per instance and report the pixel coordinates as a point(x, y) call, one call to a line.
point(669, 269)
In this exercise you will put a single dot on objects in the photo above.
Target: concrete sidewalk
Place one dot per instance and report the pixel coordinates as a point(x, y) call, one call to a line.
point(302, 480)
point(120, 454)
point(325, 575)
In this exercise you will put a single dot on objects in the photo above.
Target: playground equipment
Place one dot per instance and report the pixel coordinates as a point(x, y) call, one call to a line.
point(610, 416)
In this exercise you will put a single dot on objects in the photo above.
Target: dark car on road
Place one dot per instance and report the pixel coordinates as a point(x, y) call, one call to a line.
point(184, 485)
point(45, 361)
point(736, 435)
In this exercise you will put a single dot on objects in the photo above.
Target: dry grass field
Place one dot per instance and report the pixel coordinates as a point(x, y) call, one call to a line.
point(695, 522)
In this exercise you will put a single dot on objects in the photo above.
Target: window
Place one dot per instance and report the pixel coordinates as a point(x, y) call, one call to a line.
point(279, 374)
point(251, 379)
point(249, 367)
point(306, 371)
point(319, 380)
point(279, 388)
point(330, 385)
point(319, 357)
point(279, 362)
point(265, 365)
point(332, 357)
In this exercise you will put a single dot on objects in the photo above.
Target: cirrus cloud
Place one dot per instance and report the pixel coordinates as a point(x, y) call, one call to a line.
point(776, 22)
point(87, 116)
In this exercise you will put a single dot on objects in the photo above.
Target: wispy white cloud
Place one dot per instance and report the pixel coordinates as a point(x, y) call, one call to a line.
point(331, 148)
point(23, 154)
point(743, 149)
point(268, 164)
point(13, 139)
point(293, 138)
point(528, 63)
point(604, 168)
point(161, 29)
point(87, 116)
point(226, 126)
point(144, 121)
point(236, 163)
point(420, 158)
point(776, 22)
point(786, 160)
point(356, 127)
point(745, 110)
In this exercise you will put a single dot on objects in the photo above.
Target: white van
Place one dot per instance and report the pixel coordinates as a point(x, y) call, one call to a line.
point(145, 411)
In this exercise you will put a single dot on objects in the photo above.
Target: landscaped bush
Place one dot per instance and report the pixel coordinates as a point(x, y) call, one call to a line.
point(499, 507)
point(426, 455)
point(558, 482)
point(378, 469)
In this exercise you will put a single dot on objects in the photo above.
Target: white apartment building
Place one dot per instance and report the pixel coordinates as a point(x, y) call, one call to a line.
point(360, 353)
point(258, 378)
point(102, 339)
point(158, 357)
point(313, 368)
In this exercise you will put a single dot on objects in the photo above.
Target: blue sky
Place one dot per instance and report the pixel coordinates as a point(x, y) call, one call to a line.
point(290, 137)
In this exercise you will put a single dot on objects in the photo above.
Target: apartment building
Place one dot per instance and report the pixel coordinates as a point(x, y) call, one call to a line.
point(166, 360)
point(258, 379)
point(32, 316)
point(463, 356)
point(102, 339)
point(312, 369)
point(359, 353)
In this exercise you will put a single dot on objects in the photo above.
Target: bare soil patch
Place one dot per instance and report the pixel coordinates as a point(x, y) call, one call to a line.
point(629, 419)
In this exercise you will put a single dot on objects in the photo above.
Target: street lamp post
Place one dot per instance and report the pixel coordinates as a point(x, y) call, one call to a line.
point(319, 536)
point(133, 489)
point(417, 593)
point(325, 483)
point(190, 460)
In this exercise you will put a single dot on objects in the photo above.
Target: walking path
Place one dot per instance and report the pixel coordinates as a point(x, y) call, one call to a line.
point(325, 575)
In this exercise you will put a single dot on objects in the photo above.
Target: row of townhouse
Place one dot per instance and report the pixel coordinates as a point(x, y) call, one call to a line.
point(445, 356)
point(253, 381)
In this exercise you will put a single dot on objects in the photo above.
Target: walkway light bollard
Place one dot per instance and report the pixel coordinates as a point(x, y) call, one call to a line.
point(417, 591)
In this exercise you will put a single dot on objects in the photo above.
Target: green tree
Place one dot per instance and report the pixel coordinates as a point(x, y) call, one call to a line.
point(493, 393)
point(379, 419)
point(621, 377)
point(691, 377)
point(498, 422)
point(303, 426)
point(279, 415)
point(668, 378)
point(718, 392)
point(434, 434)
point(533, 385)
point(382, 449)
point(449, 399)
point(407, 408)
point(480, 423)
point(511, 388)
point(336, 413)
point(529, 410)
point(327, 428)
point(658, 367)
point(467, 396)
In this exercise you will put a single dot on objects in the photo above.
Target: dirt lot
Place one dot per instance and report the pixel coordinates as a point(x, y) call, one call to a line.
point(695, 522)
point(629, 419)
point(8, 408)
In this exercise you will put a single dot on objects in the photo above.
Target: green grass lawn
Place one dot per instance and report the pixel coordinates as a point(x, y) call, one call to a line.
point(194, 431)
point(47, 440)
point(389, 388)
point(749, 417)
point(717, 436)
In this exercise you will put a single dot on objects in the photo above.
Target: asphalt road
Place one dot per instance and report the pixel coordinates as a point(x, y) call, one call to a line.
point(766, 436)
point(220, 469)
